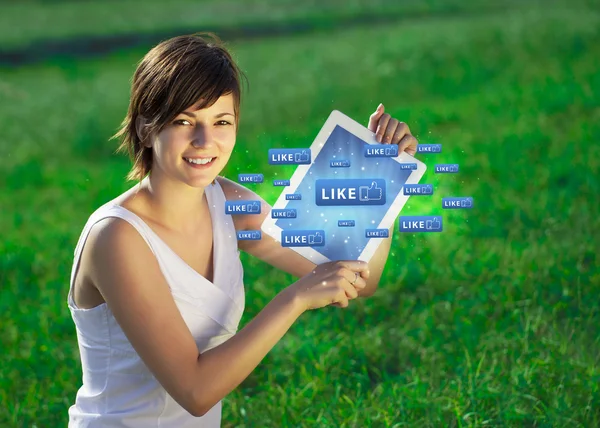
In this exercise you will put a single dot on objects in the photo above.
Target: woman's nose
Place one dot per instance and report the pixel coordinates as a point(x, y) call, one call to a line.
point(202, 137)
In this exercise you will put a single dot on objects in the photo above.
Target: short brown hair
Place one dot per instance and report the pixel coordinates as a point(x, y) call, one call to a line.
point(174, 75)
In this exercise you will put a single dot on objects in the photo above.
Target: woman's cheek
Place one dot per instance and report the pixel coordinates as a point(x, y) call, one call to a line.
point(227, 143)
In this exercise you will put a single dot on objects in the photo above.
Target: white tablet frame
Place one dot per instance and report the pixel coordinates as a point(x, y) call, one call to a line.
point(338, 118)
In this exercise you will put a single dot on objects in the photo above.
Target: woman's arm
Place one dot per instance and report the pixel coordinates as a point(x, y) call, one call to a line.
point(127, 275)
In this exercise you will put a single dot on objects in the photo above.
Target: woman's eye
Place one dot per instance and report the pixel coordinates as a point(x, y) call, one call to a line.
point(187, 122)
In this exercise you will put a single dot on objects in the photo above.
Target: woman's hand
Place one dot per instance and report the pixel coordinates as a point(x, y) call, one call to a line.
point(331, 283)
point(391, 131)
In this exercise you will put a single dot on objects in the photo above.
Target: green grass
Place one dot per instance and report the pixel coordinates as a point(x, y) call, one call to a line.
point(493, 322)
point(38, 20)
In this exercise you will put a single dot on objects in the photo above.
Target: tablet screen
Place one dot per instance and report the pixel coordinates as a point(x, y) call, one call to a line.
point(319, 210)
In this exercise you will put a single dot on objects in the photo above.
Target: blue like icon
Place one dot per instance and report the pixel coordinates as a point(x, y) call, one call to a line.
point(372, 193)
point(315, 239)
point(392, 150)
point(254, 207)
point(301, 157)
point(428, 223)
point(433, 224)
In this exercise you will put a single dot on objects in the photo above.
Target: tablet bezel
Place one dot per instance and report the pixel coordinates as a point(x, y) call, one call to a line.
point(338, 118)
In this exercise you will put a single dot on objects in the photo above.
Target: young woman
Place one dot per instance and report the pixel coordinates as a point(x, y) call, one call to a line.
point(156, 289)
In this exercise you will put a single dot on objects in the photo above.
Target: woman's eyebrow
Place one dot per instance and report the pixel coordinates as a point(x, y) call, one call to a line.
point(187, 113)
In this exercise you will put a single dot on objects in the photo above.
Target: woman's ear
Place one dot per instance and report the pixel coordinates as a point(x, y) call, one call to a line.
point(140, 127)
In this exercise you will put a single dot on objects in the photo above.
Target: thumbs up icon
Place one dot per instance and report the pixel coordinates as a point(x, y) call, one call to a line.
point(254, 207)
point(301, 157)
point(428, 190)
point(466, 203)
point(372, 193)
point(436, 224)
point(392, 150)
point(315, 239)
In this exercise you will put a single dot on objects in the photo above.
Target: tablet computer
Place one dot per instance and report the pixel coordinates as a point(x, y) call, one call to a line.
point(344, 195)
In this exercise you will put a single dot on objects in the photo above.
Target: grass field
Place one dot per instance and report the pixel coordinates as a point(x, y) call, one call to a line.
point(70, 19)
point(493, 322)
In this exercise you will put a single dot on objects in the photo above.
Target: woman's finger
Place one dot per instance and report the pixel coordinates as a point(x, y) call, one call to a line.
point(408, 143)
point(356, 281)
point(400, 132)
point(351, 293)
point(359, 284)
point(359, 266)
point(382, 126)
point(374, 118)
point(388, 134)
point(342, 300)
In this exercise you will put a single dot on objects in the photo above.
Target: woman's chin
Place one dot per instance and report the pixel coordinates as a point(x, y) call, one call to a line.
point(200, 180)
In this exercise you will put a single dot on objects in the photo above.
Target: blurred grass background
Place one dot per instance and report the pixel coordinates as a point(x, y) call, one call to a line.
point(493, 322)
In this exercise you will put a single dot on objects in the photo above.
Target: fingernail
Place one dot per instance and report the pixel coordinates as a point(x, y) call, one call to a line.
point(379, 106)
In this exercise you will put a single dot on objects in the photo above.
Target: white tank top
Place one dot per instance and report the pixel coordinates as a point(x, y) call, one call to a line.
point(118, 389)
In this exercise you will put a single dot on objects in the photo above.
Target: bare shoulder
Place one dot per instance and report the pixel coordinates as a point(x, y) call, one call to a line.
point(235, 191)
point(110, 245)
point(112, 234)
point(115, 233)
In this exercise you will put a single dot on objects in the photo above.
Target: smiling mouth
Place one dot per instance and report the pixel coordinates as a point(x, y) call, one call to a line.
point(200, 161)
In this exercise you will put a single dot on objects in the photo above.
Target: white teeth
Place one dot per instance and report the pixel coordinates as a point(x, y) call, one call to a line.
point(199, 161)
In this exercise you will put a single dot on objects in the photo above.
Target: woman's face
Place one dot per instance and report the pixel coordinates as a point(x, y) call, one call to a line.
point(194, 135)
